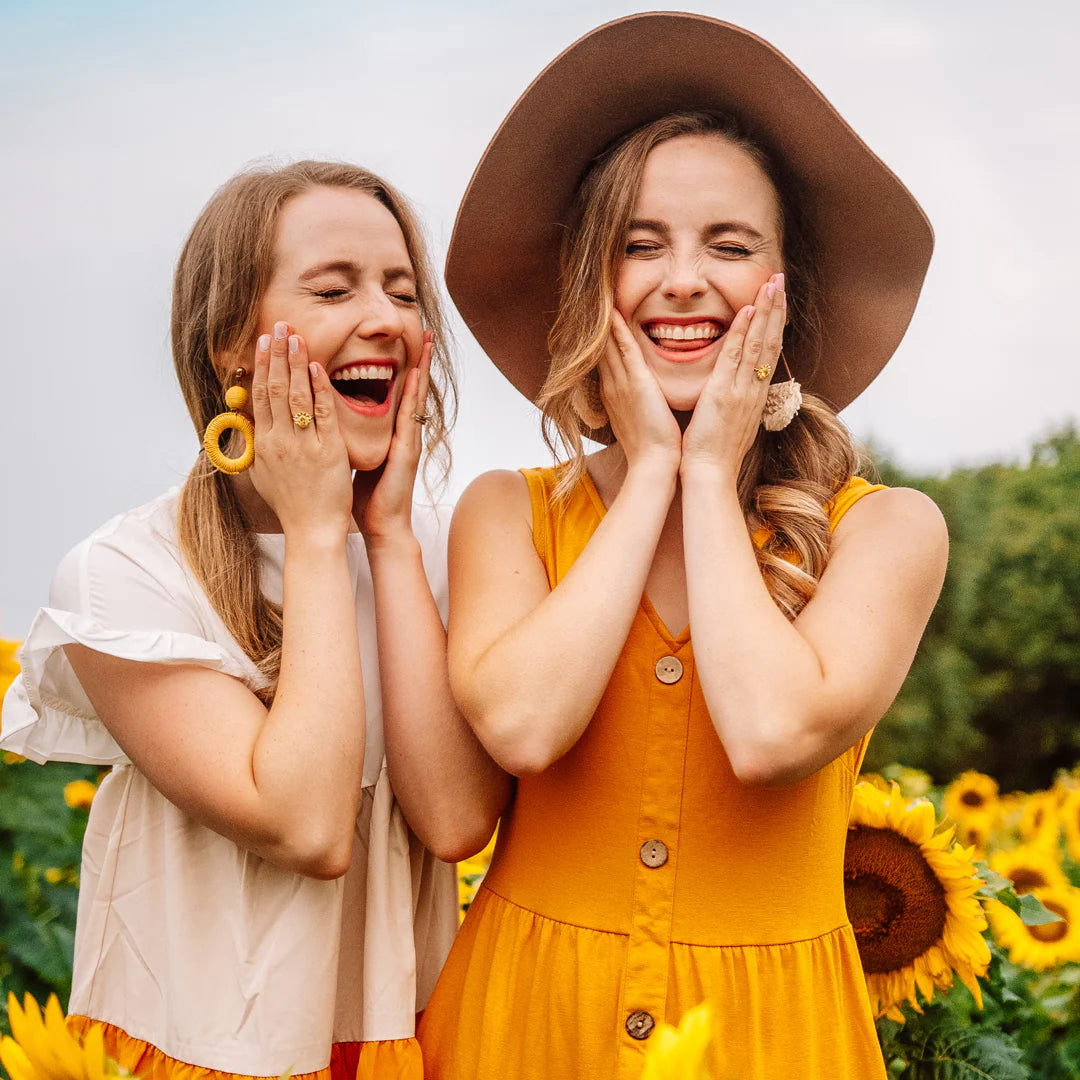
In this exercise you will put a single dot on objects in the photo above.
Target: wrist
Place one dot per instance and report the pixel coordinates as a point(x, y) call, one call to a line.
point(698, 470)
point(315, 538)
point(391, 544)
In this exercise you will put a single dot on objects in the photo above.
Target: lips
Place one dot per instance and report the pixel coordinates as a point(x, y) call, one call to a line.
point(365, 385)
point(683, 339)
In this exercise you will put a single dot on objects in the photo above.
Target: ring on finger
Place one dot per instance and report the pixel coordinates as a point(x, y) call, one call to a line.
point(302, 419)
point(421, 418)
point(762, 372)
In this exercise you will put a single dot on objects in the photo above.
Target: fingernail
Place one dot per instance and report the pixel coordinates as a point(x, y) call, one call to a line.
point(280, 330)
point(780, 281)
point(429, 335)
point(750, 311)
point(770, 290)
point(314, 369)
point(294, 344)
point(264, 342)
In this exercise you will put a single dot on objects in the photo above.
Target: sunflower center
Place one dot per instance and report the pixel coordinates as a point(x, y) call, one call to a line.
point(1025, 879)
point(1053, 931)
point(894, 900)
point(972, 798)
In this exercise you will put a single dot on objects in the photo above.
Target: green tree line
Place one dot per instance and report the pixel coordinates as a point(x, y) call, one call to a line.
point(996, 682)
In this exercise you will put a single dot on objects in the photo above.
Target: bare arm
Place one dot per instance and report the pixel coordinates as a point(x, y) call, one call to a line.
point(450, 790)
point(283, 782)
point(786, 698)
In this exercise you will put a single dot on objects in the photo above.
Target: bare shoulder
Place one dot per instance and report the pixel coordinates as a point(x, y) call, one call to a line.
point(499, 495)
point(901, 523)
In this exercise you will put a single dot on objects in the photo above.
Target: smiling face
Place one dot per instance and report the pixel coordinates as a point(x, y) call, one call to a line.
point(343, 280)
point(704, 238)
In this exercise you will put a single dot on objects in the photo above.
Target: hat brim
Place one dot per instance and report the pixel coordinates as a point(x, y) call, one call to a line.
point(873, 240)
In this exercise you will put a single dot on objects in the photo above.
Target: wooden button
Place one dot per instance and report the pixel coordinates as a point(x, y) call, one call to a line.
point(654, 853)
point(669, 669)
point(639, 1025)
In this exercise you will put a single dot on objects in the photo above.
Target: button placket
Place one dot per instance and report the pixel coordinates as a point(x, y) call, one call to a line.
point(645, 983)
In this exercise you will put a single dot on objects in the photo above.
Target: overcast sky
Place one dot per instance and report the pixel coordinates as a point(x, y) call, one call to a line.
point(118, 120)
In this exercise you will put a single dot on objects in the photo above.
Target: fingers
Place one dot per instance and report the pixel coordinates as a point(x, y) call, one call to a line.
point(278, 378)
point(324, 403)
point(424, 371)
point(260, 397)
point(299, 378)
point(765, 334)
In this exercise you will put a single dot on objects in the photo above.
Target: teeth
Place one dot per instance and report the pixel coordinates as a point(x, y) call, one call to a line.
point(365, 371)
point(694, 332)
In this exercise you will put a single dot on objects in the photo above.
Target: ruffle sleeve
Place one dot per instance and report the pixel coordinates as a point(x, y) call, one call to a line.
point(122, 592)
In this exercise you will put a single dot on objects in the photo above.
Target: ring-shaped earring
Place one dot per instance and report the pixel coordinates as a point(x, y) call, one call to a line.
point(236, 398)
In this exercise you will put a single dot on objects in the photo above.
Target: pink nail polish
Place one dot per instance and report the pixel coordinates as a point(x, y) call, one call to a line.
point(780, 281)
point(750, 311)
point(280, 330)
point(264, 342)
point(314, 369)
point(294, 343)
point(770, 290)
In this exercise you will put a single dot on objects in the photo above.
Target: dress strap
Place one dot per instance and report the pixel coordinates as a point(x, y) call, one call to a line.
point(847, 497)
point(541, 485)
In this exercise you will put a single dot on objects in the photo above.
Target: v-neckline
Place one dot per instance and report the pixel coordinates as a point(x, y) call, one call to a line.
point(645, 605)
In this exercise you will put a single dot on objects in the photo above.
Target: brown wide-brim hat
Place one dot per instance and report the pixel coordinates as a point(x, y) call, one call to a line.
point(873, 241)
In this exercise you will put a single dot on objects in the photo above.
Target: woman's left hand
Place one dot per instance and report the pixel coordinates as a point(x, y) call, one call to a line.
point(728, 412)
point(383, 498)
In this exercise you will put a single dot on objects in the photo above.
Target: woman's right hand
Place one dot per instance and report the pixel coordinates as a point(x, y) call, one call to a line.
point(641, 419)
point(303, 474)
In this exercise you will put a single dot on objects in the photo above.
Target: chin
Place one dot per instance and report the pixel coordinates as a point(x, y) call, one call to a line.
point(368, 457)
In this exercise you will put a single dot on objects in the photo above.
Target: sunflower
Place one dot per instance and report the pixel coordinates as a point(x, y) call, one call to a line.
point(911, 900)
point(1039, 822)
point(1070, 819)
point(680, 1054)
point(970, 792)
point(79, 794)
point(974, 830)
point(44, 1049)
point(1029, 868)
point(471, 872)
point(1044, 946)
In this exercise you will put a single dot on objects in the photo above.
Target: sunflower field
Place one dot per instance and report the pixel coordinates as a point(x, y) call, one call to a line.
point(963, 886)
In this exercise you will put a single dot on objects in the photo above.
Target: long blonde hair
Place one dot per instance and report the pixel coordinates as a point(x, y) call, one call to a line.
point(787, 478)
point(221, 277)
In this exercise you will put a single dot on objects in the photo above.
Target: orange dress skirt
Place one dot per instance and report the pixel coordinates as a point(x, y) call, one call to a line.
point(392, 1059)
point(637, 877)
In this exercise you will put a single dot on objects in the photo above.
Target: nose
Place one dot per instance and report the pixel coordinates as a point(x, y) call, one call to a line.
point(380, 318)
point(683, 276)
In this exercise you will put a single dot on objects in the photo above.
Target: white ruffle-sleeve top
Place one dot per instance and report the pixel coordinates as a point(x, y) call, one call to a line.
point(183, 939)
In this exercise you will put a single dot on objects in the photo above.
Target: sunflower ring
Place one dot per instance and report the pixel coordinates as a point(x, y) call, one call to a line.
point(302, 419)
point(762, 373)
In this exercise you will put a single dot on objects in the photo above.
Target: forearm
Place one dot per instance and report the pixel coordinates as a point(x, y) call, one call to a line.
point(532, 692)
point(450, 790)
point(762, 681)
point(307, 761)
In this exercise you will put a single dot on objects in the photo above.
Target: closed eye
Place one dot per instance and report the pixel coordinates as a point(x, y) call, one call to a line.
point(736, 251)
point(640, 248)
point(332, 294)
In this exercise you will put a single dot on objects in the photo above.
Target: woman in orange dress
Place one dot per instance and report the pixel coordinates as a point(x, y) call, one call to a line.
point(680, 643)
point(259, 659)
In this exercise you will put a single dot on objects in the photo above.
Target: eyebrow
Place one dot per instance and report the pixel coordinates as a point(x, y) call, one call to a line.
point(346, 266)
point(716, 229)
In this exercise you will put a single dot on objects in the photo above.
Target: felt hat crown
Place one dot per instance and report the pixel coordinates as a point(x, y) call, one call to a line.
point(873, 241)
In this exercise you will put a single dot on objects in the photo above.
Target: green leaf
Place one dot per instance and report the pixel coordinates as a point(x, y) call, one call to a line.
point(1035, 913)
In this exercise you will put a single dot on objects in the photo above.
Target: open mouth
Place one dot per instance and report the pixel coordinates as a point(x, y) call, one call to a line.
point(364, 384)
point(683, 335)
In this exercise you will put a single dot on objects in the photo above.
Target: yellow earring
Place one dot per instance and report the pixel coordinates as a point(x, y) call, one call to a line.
point(236, 398)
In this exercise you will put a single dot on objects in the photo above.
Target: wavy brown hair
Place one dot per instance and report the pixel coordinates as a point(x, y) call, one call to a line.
point(788, 477)
point(221, 277)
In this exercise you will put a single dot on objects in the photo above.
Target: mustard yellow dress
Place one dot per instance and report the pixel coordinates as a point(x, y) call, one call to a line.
point(637, 876)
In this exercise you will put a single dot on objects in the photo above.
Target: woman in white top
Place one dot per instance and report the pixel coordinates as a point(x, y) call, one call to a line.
point(260, 657)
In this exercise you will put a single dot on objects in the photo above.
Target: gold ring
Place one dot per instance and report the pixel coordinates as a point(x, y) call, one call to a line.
point(763, 372)
point(302, 419)
point(421, 418)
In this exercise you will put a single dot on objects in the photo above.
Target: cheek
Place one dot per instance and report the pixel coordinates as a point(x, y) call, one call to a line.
point(631, 287)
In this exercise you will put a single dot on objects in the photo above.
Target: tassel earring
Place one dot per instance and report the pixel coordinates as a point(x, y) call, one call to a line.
point(236, 397)
point(783, 402)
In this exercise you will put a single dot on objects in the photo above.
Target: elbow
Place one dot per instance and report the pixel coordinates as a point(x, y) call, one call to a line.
point(516, 742)
point(766, 764)
point(322, 857)
point(463, 842)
